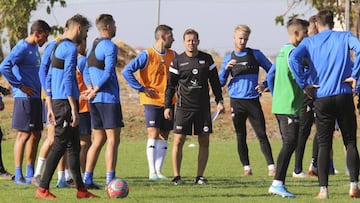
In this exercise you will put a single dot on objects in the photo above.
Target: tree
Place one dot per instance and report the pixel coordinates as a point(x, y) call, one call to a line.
point(337, 6)
point(15, 16)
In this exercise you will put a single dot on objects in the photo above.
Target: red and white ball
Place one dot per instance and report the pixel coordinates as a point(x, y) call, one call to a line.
point(117, 188)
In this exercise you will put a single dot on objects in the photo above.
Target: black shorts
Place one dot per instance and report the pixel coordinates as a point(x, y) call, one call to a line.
point(185, 121)
point(27, 114)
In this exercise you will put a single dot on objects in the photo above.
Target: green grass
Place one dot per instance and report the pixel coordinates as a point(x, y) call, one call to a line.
point(224, 172)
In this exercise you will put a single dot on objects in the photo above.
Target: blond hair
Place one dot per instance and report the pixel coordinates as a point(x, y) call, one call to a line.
point(243, 28)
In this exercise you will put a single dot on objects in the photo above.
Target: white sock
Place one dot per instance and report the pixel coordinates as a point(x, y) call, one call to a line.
point(61, 175)
point(247, 167)
point(39, 166)
point(271, 167)
point(151, 154)
point(68, 175)
point(353, 185)
point(323, 189)
point(277, 183)
point(161, 148)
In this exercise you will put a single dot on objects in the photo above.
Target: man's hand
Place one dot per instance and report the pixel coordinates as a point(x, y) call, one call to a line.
point(309, 90)
point(167, 114)
point(260, 88)
point(220, 107)
point(150, 92)
point(352, 82)
point(230, 64)
point(74, 118)
point(27, 90)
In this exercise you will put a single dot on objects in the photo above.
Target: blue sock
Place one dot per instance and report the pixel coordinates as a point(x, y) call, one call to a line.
point(88, 178)
point(109, 177)
point(18, 173)
point(29, 171)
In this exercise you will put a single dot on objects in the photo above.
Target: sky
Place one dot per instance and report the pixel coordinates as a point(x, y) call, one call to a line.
point(215, 20)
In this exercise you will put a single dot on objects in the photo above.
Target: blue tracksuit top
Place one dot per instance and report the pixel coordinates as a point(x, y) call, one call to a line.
point(45, 63)
point(329, 55)
point(61, 82)
point(243, 86)
point(105, 79)
point(21, 67)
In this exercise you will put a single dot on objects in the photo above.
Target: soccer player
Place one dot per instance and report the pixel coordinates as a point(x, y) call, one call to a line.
point(62, 93)
point(306, 120)
point(104, 95)
point(45, 147)
point(286, 103)
point(3, 172)
point(190, 75)
point(243, 65)
point(84, 107)
point(21, 69)
point(153, 64)
point(334, 82)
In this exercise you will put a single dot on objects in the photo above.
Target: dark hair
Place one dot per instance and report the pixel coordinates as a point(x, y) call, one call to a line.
point(40, 26)
point(78, 19)
point(297, 22)
point(160, 29)
point(312, 19)
point(191, 31)
point(103, 20)
point(325, 17)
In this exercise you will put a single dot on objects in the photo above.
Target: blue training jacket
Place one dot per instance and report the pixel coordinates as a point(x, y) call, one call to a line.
point(329, 57)
point(61, 82)
point(105, 79)
point(243, 86)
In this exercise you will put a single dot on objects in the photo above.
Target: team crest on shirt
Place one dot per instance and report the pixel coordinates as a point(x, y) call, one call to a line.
point(206, 129)
point(195, 71)
point(201, 62)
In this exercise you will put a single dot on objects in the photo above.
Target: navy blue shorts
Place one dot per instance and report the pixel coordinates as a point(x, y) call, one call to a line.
point(185, 121)
point(106, 115)
point(44, 112)
point(85, 123)
point(27, 114)
point(154, 118)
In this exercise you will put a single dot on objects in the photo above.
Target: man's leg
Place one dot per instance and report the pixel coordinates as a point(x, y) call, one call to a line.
point(203, 153)
point(113, 142)
point(19, 147)
point(99, 139)
point(177, 150)
point(31, 152)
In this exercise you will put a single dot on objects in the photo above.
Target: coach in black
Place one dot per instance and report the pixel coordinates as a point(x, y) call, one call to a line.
point(190, 74)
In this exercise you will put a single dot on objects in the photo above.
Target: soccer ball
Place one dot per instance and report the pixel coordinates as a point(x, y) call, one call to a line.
point(117, 188)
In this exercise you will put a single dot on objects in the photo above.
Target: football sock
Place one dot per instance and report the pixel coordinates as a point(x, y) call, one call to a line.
point(39, 166)
point(29, 171)
point(247, 167)
point(161, 148)
point(88, 178)
point(18, 173)
point(151, 153)
point(61, 176)
point(68, 175)
point(353, 185)
point(109, 177)
point(277, 182)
